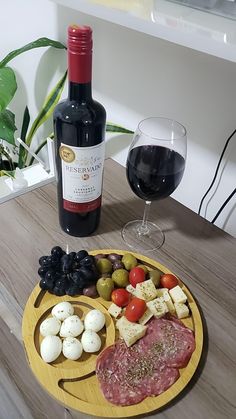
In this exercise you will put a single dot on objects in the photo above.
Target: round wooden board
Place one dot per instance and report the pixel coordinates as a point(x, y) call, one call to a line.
point(74, 383)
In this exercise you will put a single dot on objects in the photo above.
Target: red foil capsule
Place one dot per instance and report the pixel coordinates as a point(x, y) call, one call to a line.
point(80, 45)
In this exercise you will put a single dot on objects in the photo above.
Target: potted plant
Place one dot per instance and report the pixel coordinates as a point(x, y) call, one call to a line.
point(8, 88)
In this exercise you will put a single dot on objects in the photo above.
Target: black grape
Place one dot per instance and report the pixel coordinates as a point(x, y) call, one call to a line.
point(87, 261)
point(43, 285)
point(57, 251)
point(81, 255)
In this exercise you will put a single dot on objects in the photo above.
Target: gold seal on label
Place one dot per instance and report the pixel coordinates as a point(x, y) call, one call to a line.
point(66, 154)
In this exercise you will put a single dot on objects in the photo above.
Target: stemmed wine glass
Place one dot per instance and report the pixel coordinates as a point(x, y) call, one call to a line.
point(154, 168)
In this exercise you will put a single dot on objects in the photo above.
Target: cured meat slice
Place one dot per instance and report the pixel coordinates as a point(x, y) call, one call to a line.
point(169, 340)
point(149, 367)
point(111, 369)
point(126, 377)
point(154, 383)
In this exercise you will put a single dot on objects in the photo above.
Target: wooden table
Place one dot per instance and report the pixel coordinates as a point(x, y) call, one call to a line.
point(198, 252)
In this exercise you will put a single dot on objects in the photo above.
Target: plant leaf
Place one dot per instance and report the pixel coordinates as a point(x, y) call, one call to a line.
point(41, 42)
point(8, 86)
point(24, 129)
point(117, 128)
point(41, 145)
point(8, 157)
point(47, 109)
point(10, 173)
point(25, 123)
point(7, 126)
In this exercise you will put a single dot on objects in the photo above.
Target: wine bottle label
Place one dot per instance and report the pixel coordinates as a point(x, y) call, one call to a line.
point(82, 171)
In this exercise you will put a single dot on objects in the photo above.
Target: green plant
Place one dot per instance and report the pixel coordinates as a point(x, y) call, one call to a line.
point(8, 87)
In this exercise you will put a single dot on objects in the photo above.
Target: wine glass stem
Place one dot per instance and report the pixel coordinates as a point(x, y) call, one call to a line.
point(144, 226)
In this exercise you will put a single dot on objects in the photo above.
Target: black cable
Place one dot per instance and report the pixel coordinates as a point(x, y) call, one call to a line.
point(224, 204)
point(216, 172)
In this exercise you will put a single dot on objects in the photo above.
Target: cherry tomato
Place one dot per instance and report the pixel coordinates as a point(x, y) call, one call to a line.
point(136, 275)
point(135, 309)
point(120, 297)
point(169, 281)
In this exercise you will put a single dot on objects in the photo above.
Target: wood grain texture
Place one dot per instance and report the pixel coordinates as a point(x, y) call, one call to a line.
point(202, 255)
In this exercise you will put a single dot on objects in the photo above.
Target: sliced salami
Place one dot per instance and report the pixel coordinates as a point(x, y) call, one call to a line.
point(169, 340)
point(111, 370)
point(149, 367)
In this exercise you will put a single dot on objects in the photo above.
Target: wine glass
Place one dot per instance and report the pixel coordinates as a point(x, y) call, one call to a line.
point(154, 168)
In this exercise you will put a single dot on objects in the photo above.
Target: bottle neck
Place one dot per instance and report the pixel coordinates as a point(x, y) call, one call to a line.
point(81, 92)
point(79, 63)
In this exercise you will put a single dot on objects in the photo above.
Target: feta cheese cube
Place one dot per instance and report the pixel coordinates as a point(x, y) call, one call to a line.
point(146, 290)
point(166, 297)
point(131, 289)
point(114, 310)
point(146, 316)
point(182, 310)
point(130, 332)
point(158, 307)
point(178, 295)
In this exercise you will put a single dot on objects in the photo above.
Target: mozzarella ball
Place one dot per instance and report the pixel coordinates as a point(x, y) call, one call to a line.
point(63, 310)
point(50, 326)
point(94, 320)
point(72, 348)
point(91, 342)
point(72, 326)
point(50, 348)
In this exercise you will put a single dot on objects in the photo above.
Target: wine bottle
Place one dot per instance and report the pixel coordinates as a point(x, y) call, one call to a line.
point(79, 127)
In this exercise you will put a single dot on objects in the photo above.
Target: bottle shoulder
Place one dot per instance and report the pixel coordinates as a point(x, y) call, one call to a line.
point(85, 112)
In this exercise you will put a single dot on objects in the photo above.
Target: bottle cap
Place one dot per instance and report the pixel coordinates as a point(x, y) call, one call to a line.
point(80, 39)
point(80, 46)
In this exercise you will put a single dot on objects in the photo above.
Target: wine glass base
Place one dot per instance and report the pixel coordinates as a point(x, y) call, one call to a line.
point(135, 237)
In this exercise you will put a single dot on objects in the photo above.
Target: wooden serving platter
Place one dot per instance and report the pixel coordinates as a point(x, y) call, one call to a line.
point(74, 383)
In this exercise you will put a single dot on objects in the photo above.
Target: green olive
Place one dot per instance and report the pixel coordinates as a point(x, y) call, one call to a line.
point(105, 287)
point(120, 278)
point(104, 266)
point(129, 261)
point(155, 276)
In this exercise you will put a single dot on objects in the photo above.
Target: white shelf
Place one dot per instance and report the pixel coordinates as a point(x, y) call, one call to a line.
point(35, 175)
point(181, 25)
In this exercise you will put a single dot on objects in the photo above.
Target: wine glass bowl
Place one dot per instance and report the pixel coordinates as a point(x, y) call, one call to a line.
point(154, 168)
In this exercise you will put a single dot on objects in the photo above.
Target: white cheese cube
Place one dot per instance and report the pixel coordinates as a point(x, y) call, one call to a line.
point(130, 332)
point(146, 316)
point(114, 310)
point(146, 290)
point(131, 289)
point(177, 295)
point(182, 310)
point(158, 307)
point(166, 297)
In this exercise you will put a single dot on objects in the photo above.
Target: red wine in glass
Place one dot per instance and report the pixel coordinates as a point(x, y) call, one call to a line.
point(154, 172)
point(154, 169)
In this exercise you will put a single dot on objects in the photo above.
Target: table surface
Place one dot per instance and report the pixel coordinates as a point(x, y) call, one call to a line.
point(202, 255)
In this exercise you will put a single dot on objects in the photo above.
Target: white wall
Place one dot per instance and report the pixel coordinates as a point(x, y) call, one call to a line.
point(136, 76)
point(37, 70)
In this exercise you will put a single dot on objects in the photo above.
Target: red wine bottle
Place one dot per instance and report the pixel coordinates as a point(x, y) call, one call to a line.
point(79, 127)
